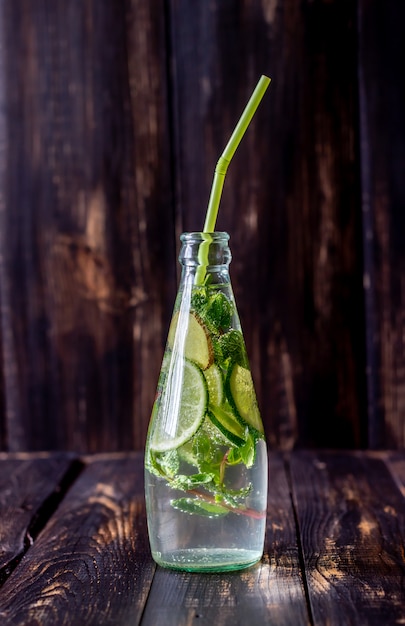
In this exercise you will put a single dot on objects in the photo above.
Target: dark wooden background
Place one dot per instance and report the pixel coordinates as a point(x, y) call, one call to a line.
point(113, 115)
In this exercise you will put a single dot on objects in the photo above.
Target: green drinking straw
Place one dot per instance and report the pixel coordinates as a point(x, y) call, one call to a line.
point(224, 159)
point(221, 169)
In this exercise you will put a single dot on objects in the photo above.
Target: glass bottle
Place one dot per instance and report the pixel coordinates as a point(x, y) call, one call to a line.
point(206, 456)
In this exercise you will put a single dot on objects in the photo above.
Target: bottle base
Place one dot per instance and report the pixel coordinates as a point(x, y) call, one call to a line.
point(208, 560)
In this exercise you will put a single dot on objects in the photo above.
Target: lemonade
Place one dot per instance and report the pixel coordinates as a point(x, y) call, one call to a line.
point(206, 457)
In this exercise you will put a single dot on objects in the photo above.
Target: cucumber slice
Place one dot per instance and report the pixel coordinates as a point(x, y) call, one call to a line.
point(242, 397)
point(229, 426)
point(215, 385)
point(192, 338)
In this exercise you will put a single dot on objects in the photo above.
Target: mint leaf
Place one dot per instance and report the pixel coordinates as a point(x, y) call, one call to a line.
point(218, 312)
point(233, 347)
point(190, 482)
point(213, 308)
point(248, 451)
point(165, 464)
point(245, 453)
point(195, 506)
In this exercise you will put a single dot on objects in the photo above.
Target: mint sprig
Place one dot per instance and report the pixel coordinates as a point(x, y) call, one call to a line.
point(208, 483)
point(199, 467)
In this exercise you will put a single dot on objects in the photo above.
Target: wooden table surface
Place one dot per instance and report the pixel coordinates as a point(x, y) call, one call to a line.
point(74, 546)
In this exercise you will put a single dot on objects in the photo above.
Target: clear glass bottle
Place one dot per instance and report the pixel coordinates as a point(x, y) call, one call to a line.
point(206, 456)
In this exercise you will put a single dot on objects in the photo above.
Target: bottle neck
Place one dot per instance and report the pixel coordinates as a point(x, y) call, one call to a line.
point(208, 250)
point(205, 257)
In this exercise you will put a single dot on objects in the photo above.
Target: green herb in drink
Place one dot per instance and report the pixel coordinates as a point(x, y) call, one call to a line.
point(219, 423)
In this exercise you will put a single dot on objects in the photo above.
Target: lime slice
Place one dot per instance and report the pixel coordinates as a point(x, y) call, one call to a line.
point(192, 339)
point(179, 415)
point(242, 397)
point(215, 385)
point(228, 425)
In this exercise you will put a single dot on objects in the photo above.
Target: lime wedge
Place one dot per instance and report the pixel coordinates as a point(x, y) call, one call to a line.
point(215, 385)
point(192, 338)
point(179, 415)
point(229, 426)
point(242, 397)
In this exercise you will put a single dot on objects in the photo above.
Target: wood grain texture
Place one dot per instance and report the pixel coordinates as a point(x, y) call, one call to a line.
point(29, 489)
point(91, 564)
point(290, 198)
point(382, 102)
point(113, 115)
point(333, 550)
point(68, 357)
point(82, 301)
point(269, 592)
point(154, 250)
point(351, 517)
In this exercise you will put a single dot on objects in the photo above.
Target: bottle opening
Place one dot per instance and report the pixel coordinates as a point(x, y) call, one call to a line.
point(205, 249)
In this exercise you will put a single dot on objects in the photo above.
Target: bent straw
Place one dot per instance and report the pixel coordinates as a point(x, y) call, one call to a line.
point(220, 171)
point(225, 158)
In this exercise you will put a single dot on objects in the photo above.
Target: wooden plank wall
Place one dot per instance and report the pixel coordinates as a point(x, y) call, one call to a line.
point(113, 115)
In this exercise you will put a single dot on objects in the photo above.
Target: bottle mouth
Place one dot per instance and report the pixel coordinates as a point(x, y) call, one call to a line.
point(201, 236)
point(208, 249)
